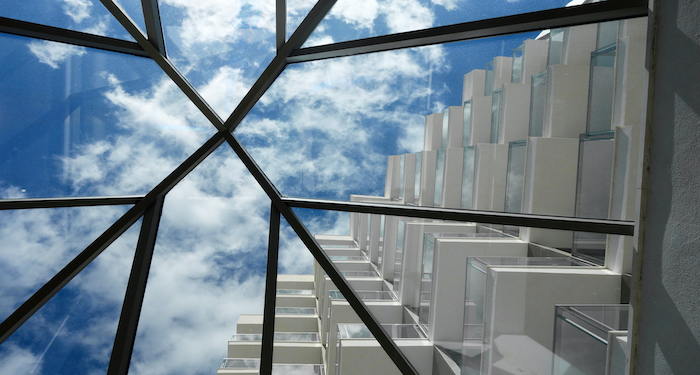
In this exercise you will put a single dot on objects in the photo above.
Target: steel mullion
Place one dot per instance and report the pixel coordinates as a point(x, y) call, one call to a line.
point(520, 23)
point(27, 203)
point(154, 28)
point(279, 62)
point(268, 329)
point(625, 228)
point(135, 290)
point(57, 34)
point(324, 261)
point(281, 23)
point(164, 63)
point(48, 290)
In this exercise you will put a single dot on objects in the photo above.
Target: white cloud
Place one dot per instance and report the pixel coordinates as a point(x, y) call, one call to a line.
point(52, 54)
point(16, 360)
point(360, 13)
point(407, 15)
point(77, 10)
point(448, 4)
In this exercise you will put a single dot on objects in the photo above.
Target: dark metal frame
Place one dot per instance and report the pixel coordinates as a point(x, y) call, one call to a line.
point(288, 51)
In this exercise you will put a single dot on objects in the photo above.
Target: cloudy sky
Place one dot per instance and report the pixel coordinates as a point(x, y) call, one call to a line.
point(81, 122)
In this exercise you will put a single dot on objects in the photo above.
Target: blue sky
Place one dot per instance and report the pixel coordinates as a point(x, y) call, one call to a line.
point(80, 122)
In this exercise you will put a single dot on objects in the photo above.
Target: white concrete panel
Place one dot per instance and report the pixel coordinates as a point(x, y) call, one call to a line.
point(520, 302)
point(362, 356)
point(433, 132)
point(391, 227)
point(449, 278)
point(581, 41)
point(284, 352)
point(534, 59)
point(490, 169)
point(409, 178)
point(480, 131)
point(455, 126)
point(515, 104)
point(473, 84)
point(566, 102)
point(502, 71)
point(362, 242)
point(375, 222)
point(393, 174)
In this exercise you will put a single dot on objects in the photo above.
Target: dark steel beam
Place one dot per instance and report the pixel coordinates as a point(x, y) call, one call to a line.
point(281, 31)
point(25, 203)
point(520, 23)
point(268, 329)
point(164, 63)
point(323, 260)
point(56, 34)
point(135, 290)
point(48, 290)
point(625, 228)
point(154, 28)
point(279, 62)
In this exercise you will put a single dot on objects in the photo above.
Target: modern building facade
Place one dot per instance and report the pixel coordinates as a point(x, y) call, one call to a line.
point(553, 129)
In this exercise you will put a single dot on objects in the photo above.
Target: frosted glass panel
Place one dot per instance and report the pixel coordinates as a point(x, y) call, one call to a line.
point(601, 87)
point(439, 174)
point(445, 126)
point(416, 187)
point(467, 112)
point(495, 115)
point(537, 101)
point(607, 34)
point(489, 79)
point(515, 177)
point(556, 43)
point(516, 74)
point(468, 177)
point(401, 174)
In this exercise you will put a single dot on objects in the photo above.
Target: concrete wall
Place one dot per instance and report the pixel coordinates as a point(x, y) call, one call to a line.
point(666, 283)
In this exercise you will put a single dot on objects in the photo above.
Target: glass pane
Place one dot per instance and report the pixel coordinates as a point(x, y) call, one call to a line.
point(538, 92)
point(488, 86)
point(349, 20)
point(517, 65)
point(495, 115)
point(74, 331)
point(439, 177)
point(98, 123)
point(607, 34)
point(445, 126)
point(220, 47)
point(402, 164)
point(556, 44)
point(516, 176)
point(467, 107)
point(416, 187)
point(593, 192)
point(468, 177)
point(86, 16)
point(37, 243)
point(207, 278)
point(601, 90)
point(296, 12)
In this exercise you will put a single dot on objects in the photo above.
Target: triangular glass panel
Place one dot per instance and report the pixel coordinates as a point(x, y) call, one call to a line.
point(73, 333)
point(221, 48)
point(350, 20)
point(37, 243)
point(134, 10)
point(84, 122)
point(80, 15)
point(207, 278)
point(297, 10)
point(330, 128)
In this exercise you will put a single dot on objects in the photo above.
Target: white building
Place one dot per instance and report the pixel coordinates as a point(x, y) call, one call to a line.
point(553, 129)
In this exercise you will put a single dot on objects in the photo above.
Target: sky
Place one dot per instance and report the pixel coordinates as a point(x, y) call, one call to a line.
point(82, 122)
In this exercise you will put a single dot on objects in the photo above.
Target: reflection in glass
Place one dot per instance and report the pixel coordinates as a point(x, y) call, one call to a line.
point(556, 43)
point(416, 187)
point(467, 116)
point(468, 177)
point(607, 34)
point(489, 78)
point(515, 176)
point(601, 87)
point(537, 103)
point(445, 127)
point(439, 177)
point(593, 191)
point(581, 335)
point(516, 75)
point(496, 115)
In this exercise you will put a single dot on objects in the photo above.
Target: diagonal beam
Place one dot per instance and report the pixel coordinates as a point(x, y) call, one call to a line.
point(278, 64)
point(324, 261)
point(520, 23)
point(25, 203)
point(48, 290)
point(268, 329)
point(135, 290)
point(164, 63)
point(56, 34)
point(154, 28)
point(625, 228)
